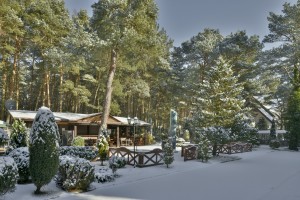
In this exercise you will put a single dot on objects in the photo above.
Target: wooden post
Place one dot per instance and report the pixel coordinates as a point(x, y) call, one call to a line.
point(118, 136)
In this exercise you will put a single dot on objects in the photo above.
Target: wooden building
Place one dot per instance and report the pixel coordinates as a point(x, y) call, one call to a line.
point(87, 126)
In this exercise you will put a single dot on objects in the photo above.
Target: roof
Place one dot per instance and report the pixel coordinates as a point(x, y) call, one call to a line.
point(125, 121)
point(268, 131)
point(27, 115)
point(95, 118)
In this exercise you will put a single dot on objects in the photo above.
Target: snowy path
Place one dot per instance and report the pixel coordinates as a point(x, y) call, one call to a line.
point(263, 174)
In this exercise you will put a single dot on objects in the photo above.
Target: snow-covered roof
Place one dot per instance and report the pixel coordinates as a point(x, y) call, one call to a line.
point(268, 131)
point(59, 116)
point(266, 114)
point(27, 115)
point(124, 120)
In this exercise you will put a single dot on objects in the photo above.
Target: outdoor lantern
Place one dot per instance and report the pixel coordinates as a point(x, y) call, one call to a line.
point(134, 122)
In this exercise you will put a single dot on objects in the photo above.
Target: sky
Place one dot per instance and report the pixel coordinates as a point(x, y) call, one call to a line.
point(183, 19)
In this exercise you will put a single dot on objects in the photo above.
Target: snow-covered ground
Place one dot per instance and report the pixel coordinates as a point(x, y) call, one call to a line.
point(262, 174)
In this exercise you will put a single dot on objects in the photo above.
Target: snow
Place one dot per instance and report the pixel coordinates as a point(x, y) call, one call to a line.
point(261, 174)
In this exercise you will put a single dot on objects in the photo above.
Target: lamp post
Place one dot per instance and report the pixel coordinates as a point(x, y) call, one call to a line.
point(134, 122)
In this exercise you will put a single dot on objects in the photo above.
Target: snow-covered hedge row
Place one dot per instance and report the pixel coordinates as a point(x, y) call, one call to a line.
point(74, 173)
point(21, 158)
point(89, 153)
point(8, 175)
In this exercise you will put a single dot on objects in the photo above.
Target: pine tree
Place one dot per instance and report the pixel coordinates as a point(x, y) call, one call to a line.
point(168, 154)
point(203, 148)
point(43, 148)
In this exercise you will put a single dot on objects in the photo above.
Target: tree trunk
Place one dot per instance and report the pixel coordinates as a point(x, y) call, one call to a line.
point(109, 88)
point(60, 85)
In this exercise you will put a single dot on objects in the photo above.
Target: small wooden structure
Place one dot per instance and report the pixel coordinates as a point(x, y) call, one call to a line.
point(85, 125)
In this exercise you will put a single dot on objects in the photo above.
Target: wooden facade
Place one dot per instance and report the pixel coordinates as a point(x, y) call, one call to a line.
point(85, 125)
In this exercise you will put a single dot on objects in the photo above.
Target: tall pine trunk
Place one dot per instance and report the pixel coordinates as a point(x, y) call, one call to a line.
point(109, 88)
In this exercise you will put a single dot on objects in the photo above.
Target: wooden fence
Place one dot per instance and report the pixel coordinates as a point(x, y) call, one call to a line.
point(141, 158)
point(189, 152)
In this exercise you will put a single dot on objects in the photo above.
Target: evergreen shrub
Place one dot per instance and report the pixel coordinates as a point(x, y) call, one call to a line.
point(43, 148)
point(74, 174)
point(104, 175)
point(86, 152)
point(203, 149)
point(18, 136)
point(21, 158)
point(116, 162)
point(274, 144)
point(168, 154)
point(78, 141)
point(103, 147)
point(3, 137)
point(8, 175)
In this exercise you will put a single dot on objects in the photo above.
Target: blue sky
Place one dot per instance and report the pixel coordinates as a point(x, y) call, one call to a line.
point(183, 19)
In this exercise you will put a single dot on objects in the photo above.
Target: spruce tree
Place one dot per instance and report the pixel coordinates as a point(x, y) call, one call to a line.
point(43, 148)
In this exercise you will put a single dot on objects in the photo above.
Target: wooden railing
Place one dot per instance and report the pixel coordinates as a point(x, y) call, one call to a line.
point(141, 158)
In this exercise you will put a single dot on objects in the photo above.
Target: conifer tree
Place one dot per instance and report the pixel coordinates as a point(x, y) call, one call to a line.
point(43, 148)
point(168, 154)
point(292, 118)
point(219, 102)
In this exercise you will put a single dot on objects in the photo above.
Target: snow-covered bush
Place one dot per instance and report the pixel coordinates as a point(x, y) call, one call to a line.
point(21, 158)
point(8, 175)
point(103, 147)
point(3, 137)
point(274, 144)
point(74, 173)
point(18, 136)
point(86, 152)
point(104, 175)
point(116, 162)
point(203, 149)
point(245, 132)
point(216, 135)
point(43, 148)
point(168, 154)
point(78, 141)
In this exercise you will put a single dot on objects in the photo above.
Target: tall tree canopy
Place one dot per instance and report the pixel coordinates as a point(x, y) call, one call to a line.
point(131, 36)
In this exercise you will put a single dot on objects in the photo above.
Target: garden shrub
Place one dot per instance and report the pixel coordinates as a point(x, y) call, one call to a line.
point(274, 144)
point(168, 154)
point(74, 174)
point(86, 152)
point(104, 175)
point(78, 141)
point(186, 135)
point(103, 147)
point(18, 136)
point(43, 148)
point(203, 149)
point(8, 175)
point(116, 162)
point(3, 137)
point(21, 158)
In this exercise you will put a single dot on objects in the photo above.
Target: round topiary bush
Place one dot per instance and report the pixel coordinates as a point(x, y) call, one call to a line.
point(21, 158)
point(8, 175)
point(43, 148)
point(74, 174)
